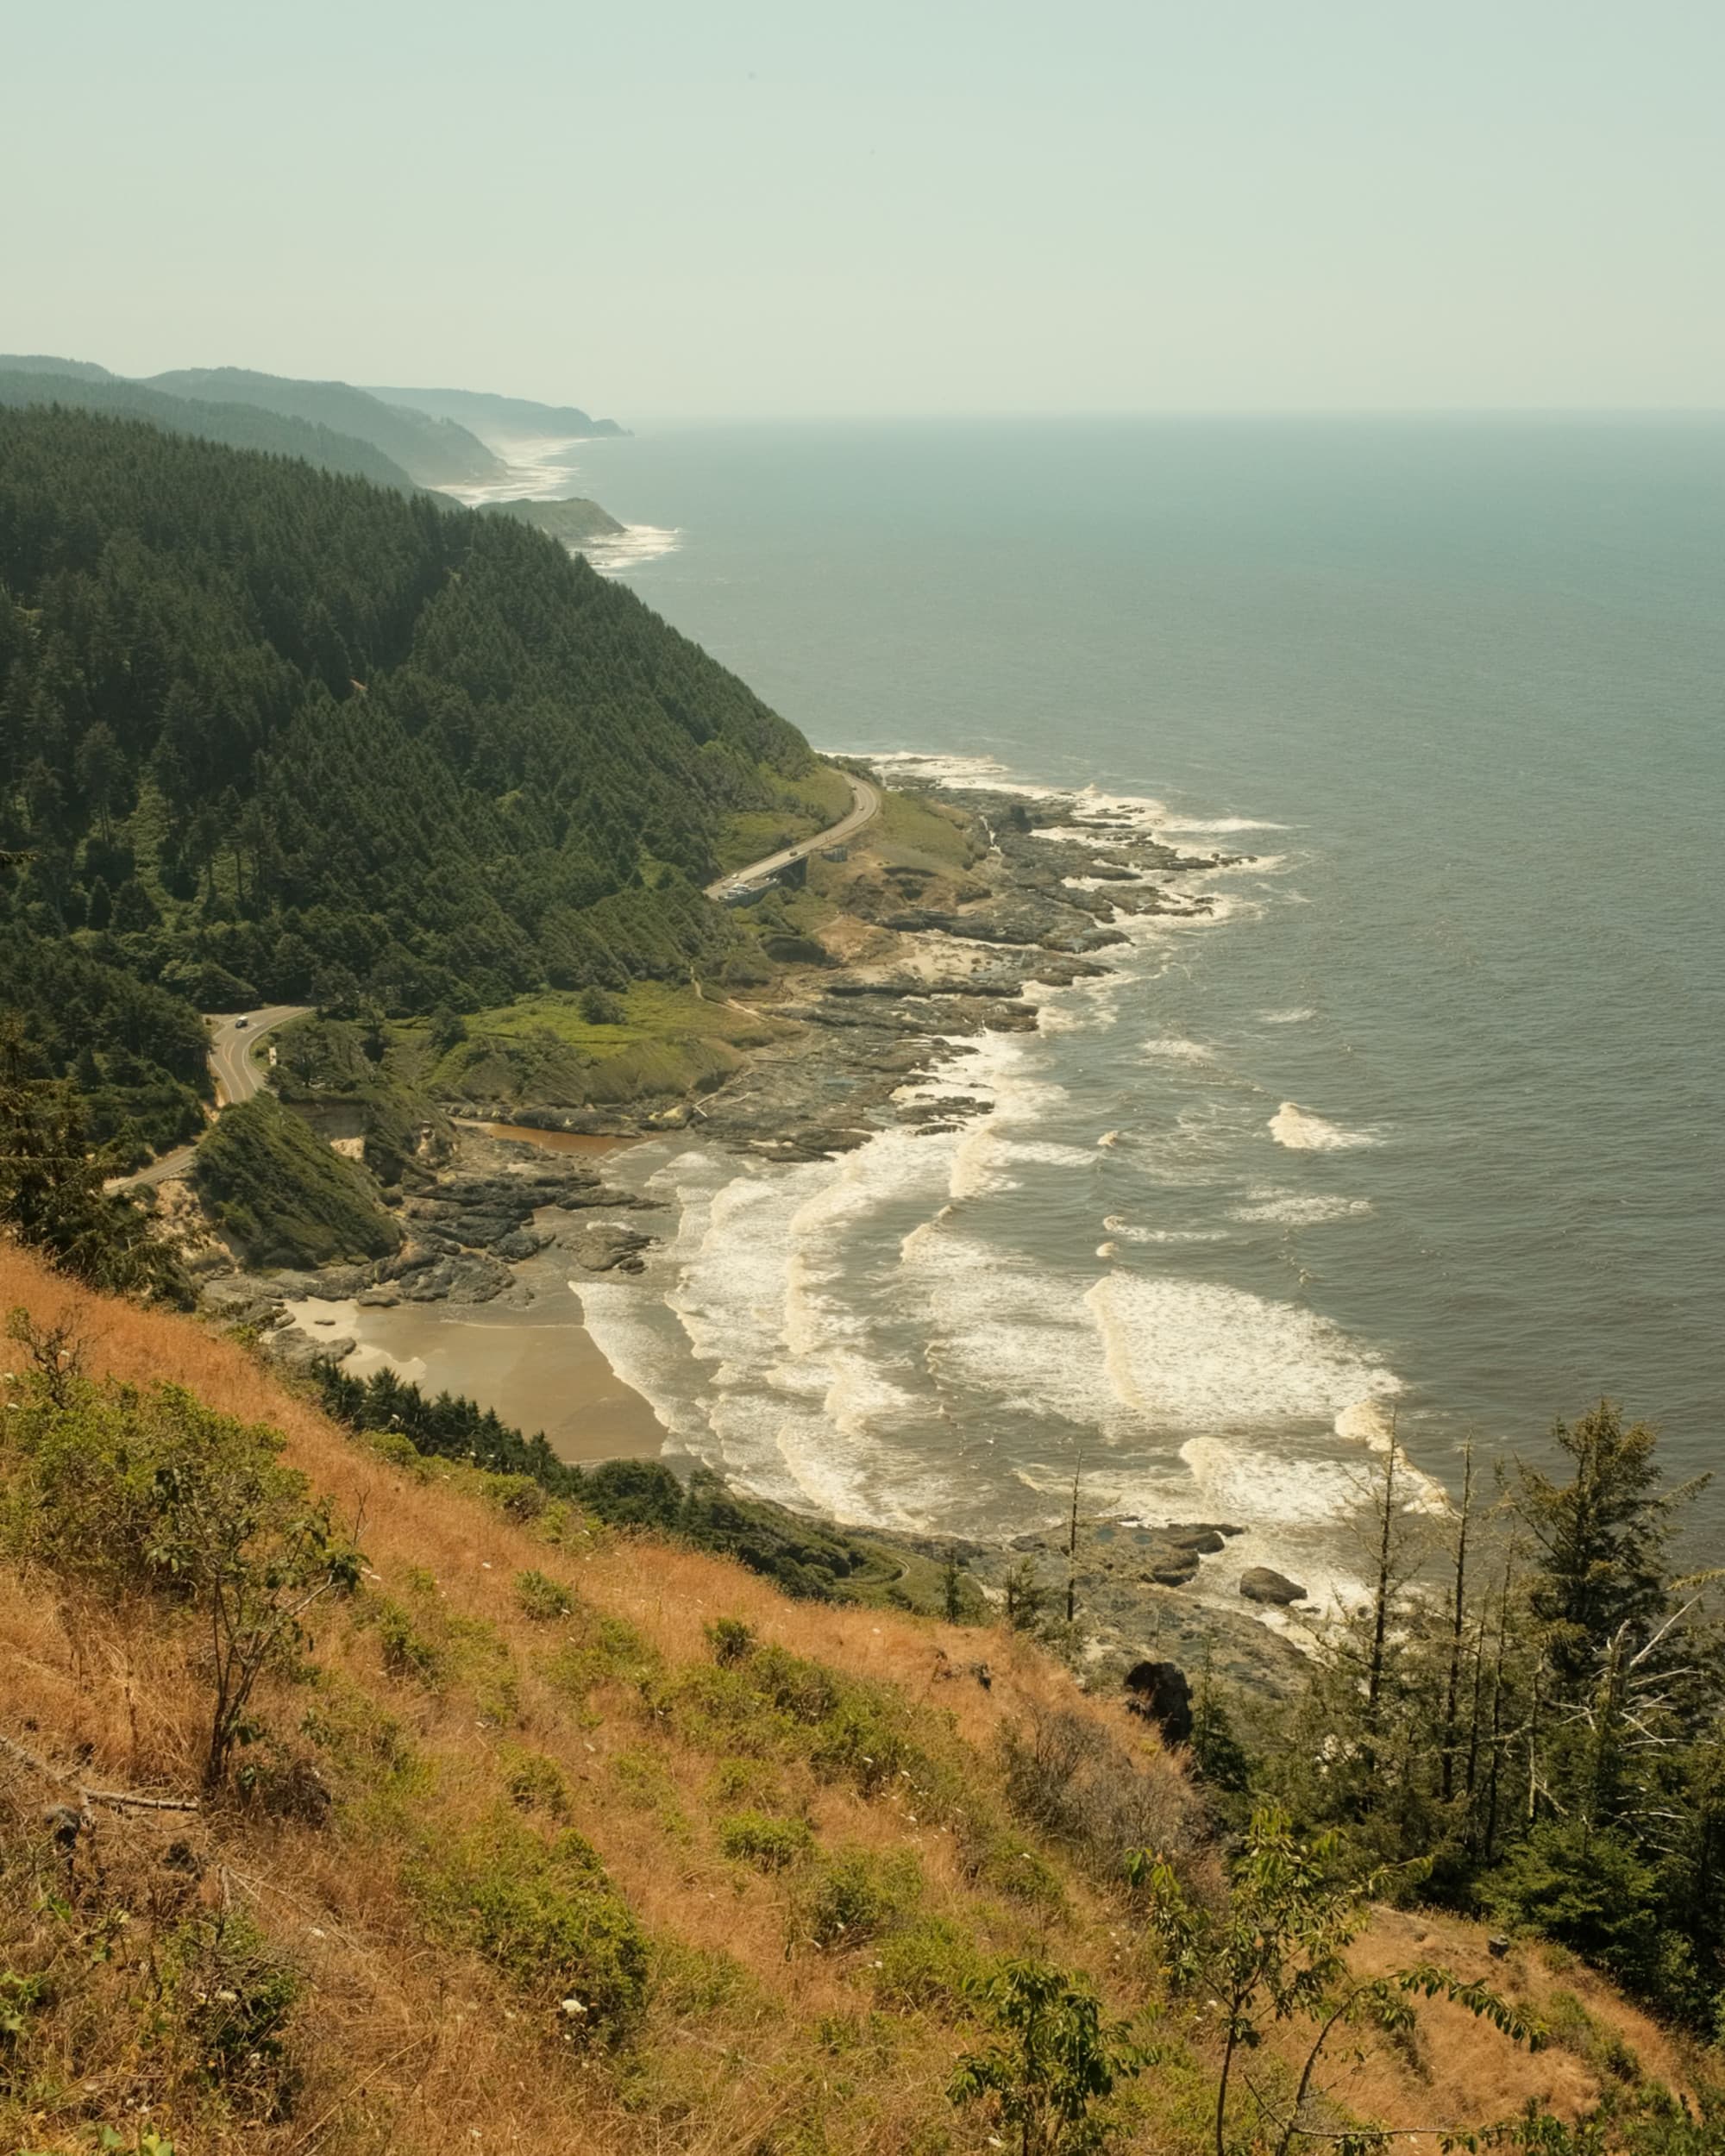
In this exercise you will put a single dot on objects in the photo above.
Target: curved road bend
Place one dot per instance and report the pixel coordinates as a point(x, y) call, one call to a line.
point(237, 1078)
point(865, 806)
point(232, 1039)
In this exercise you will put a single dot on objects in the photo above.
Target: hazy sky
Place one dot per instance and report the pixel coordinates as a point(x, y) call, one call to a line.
point(743, 207)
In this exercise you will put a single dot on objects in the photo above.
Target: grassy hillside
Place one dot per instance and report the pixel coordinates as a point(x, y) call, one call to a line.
point(237, 426)
point(434, 452)
point(280, 1193)
point(548, 1836)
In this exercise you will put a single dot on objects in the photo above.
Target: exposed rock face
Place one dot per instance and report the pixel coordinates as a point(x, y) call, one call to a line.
point(605, 1247)
point(1159, 1691)
point(1260, 1584)
point(493, 1213)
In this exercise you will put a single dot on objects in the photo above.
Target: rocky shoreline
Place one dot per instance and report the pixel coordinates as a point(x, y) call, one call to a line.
point(920, 964)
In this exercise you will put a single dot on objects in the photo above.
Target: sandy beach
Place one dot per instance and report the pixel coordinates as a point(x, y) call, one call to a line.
point(536, 1367)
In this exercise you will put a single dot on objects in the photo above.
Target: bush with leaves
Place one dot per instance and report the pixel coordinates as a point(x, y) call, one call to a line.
point(542, 1910)
point(147, 1490)
point(1054, 2061)
point(1276, 1952)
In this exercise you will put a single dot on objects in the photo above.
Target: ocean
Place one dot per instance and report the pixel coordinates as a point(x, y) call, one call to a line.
point(1421, 1127)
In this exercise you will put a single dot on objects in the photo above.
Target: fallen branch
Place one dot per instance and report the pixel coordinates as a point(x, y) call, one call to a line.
point(125, 1800)
point(122, 1799)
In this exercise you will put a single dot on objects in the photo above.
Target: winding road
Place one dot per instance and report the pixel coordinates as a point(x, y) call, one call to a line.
point(233, 1039)
point(237, 1075)
point(865, 805)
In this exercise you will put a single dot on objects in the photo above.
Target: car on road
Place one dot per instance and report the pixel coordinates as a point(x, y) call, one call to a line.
point(238, 1023)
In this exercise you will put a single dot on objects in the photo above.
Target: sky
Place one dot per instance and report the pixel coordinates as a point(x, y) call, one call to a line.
point(786, 208)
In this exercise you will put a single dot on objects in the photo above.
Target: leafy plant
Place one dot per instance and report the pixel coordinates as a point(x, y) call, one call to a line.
point(1277, 1951)
point(544, 1912)
point(1054, 2061)
point(770, 1844)
point(542, 1599)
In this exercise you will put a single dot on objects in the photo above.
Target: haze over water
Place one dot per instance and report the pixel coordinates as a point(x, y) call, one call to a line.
point(1428, 1117)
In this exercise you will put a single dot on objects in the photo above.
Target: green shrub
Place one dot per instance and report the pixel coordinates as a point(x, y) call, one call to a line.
point(536, 1784)
point(930, 1966)
point(603, 1649)
point(352, 1730)
point(407, 1651)
point(750, 1782)
point(517, 1496)
point(857, 1896)
point(230, 1995)
point(283, 1195)
point(1006, 1864)
point(641, 1781)
point(399, 1449)
point(698, 1981)
point(543, 1912)
point(769, 1703)
point(1593, 1892)
point(770, 1844)
point(542, 1599)
point(731, 1639)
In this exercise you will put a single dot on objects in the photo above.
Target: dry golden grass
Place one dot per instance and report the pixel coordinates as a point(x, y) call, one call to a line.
point(402, 2043)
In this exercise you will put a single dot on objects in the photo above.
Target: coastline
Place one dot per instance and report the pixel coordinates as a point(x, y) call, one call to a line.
point(919, 958)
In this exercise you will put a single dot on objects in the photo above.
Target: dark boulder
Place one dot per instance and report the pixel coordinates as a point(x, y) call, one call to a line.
point(1161, 1693)
point(1260, 1584)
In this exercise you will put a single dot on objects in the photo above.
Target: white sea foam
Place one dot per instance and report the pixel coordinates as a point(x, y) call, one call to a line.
point(1366, 1423)
point(1252, 1482)
point(1221, 825)
point(1007, 1331)
point(1176, 1048)
point(1297, 1209)
point(615, 553)
point(1297, 1017)
point(1172, 1235)
point(1301, 1132)
point(1180, 1353)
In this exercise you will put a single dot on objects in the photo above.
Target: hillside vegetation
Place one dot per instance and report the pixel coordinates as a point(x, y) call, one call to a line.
point(270, 733)
point(281, 1196)
point(237, 426)
point(434, 452)
point(473, 1822)
point(571, 520)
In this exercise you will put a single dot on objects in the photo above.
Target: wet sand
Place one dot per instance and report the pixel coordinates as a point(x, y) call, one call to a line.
point(537, 1368)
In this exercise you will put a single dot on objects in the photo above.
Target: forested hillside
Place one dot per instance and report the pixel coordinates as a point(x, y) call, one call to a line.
point(239, 426)
point(435, 452)
point(266, 732)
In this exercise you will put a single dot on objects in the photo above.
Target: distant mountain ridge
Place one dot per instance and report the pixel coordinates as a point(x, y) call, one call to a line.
point(504, 419)
point(92, 388)
point(45, 363)
point(434, 452)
